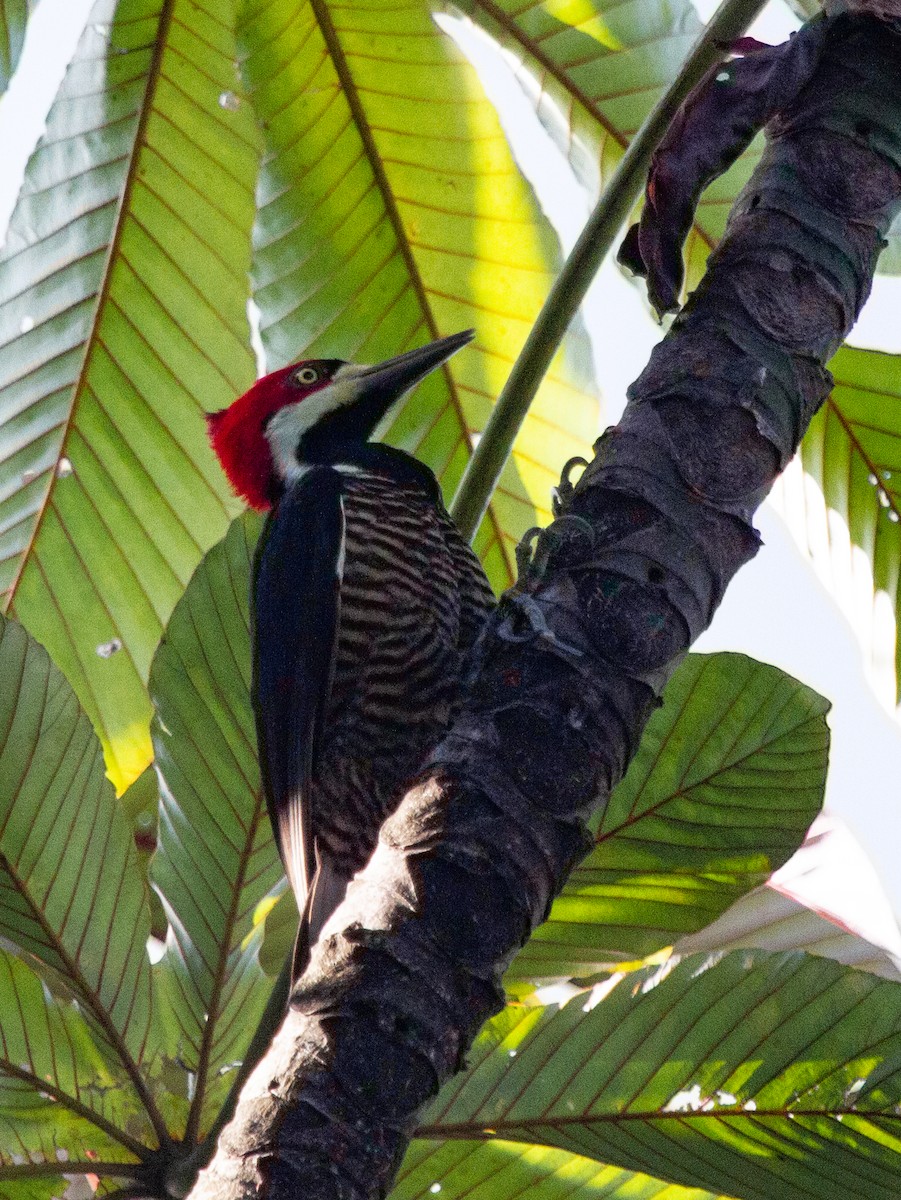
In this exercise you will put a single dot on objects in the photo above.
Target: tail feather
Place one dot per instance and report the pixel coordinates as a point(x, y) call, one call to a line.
point(327, 891)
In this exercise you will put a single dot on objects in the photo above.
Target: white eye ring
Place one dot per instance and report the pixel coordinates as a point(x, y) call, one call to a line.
point(306, 375)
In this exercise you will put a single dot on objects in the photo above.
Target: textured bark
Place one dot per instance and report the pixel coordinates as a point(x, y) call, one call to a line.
point(575, 659)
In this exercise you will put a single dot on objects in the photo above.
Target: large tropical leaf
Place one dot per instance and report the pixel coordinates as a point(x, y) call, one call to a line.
point(852, 452)
point(391, 210)
point(71, 894)
point(216, 859)
point(827, 900)
point(59, 1095)
point(729, 775)
point(122, 315)
point(758, 1075)
point(456, 1169)
point(13, 20)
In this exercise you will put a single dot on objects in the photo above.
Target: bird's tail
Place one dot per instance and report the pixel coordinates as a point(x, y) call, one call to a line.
point(326, 893)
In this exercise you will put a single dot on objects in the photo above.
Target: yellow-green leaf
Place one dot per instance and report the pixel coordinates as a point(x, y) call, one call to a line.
point(123, 297)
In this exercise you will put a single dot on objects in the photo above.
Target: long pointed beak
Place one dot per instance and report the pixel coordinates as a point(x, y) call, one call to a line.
point(396, 376)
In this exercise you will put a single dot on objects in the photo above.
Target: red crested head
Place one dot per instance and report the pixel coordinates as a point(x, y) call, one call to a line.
point(265, 434)
point(238, 433)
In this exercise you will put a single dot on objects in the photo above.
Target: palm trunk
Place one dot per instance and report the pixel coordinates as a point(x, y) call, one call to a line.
point(577, 655)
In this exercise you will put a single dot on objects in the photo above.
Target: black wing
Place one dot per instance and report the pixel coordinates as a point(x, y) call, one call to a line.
point(297, 602)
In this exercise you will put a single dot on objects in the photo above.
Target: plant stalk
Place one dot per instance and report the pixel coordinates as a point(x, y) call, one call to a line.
point(484, 468)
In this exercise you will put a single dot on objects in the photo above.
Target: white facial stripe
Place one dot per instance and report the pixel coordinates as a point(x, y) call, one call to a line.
point(290, 423)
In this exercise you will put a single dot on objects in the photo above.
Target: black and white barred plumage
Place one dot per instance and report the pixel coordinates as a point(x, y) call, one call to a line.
point(375, 678)
point(396, 683)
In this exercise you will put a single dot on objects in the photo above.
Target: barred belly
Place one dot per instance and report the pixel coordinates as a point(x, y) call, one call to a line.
point(413, 597)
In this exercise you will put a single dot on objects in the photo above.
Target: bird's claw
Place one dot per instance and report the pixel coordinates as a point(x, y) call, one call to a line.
point(562, 494)
point(526, 606)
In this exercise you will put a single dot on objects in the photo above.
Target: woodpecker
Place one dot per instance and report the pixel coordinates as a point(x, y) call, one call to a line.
point(365, 601)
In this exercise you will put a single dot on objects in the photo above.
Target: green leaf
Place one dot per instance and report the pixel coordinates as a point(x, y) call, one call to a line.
point(123, 296)
point(594, 70)
point(602, 66)
point(14, 16)
point(58, 1092)
point(391, 210)
point(852, 451)
point(216, 859)
point(71, 893)
point(827, 900)
point(508, 1170)
point(279, 917)
point(890, 259)
point(761, 1075)
point(728, 777)
point(32, 1189)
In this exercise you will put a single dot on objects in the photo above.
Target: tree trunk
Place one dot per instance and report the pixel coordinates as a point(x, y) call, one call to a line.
point(575, 659)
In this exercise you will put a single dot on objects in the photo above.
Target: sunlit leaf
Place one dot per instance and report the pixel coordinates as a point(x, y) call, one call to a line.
point(827, 900)
point(761, 1075)
point(123, 293)
point(594, 70)
point(593, 73)
point(278, 916)
point(729, 775)
point(455, 1169)
point(391, 211)
point(216, 859)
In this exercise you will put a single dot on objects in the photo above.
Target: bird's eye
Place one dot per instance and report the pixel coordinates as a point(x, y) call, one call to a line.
point(307, 375)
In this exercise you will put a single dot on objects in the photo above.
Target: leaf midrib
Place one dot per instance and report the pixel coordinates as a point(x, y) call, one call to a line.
point(684, 791)
point(857, 447)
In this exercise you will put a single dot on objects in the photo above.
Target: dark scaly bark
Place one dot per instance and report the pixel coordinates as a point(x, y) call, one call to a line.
point(575, 658)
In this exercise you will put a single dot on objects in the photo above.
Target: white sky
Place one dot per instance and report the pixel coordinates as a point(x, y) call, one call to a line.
point(776, 609)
